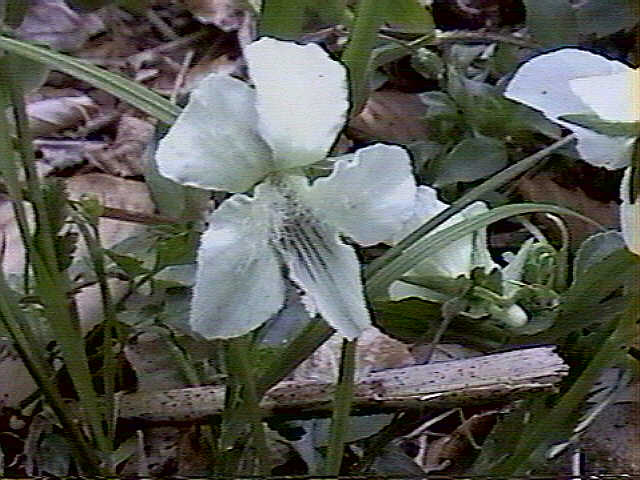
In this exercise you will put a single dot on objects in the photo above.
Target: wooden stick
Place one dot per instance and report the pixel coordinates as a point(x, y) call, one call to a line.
point(487, 379)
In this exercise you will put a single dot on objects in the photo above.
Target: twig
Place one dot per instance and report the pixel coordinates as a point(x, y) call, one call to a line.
point(161, 25)
point(497, 377)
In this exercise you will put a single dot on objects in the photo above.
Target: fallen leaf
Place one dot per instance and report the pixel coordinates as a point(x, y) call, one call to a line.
point(227, 15)
point(124, 157)
point(52, 115)
point(54, 23)
point(542, 188)
point(390, 116)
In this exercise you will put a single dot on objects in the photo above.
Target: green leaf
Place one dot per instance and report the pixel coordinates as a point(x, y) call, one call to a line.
point(612, 129)
point(586, 302)
point(470, 160)
point(121, 87)
point(283, 19)
point(593, 250)
point(408, 319)
point(552, 22)
point(604, 17)
point(178, 248)
point(487, 111)
point(428, 64)
point(552, 421)
point(28, 73)
point(130, 265)
point(410, 16)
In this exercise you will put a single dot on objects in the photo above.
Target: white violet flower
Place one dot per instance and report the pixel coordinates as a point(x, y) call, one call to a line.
point(573, 81)
point(233, 137)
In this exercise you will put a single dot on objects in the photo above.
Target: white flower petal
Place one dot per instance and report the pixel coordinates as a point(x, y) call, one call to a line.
point(512, 273)
point(426, 206)
point(368, 196)
point(630, 215)
point(601, 150)
point(615, 97)
point(239, 283)
point(545, 83)
point(327, 270)
point(400, 290)
point(457, 258)
point(214, 143)
point(302, 99)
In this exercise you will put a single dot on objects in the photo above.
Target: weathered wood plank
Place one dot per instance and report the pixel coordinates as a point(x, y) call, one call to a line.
point(487, 379)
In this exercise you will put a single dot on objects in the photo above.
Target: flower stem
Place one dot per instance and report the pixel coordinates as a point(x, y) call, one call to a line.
point(342, 400)
point(239, 366)
point(357, 55)
point(51, 282)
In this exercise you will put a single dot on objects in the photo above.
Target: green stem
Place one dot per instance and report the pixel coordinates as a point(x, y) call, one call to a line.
point(239, 366)
point(44, 377)
point(96, 254)
point(357, 55)
point(50, 282)
point(283, 19)
point(342, 400)
point(298, 350)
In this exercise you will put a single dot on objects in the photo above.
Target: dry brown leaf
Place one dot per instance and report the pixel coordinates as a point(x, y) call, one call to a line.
point(542, 188)
point(390, 116)
point(52, 115)
point(376, 351)
point(227, 15)
point(62, 154)
point(124, 157)
point(54, 23)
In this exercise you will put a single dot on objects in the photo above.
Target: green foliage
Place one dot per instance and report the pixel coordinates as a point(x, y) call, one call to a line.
point(604, 17)
point(611, 129)
point(410, 16)
point(469, 160)
point(552, 22)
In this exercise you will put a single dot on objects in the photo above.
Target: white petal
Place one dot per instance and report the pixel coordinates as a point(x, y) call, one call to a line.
point(215, 143)
point(369, 195)
point(630, 215)
point(545, 83)
point(400, 290)
point(239, 284)
point(512, 273)
point(327, 270)
point(426, 206)
point(462, 255)
point(302, 99)
point(615, 97)
point(601, 150)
